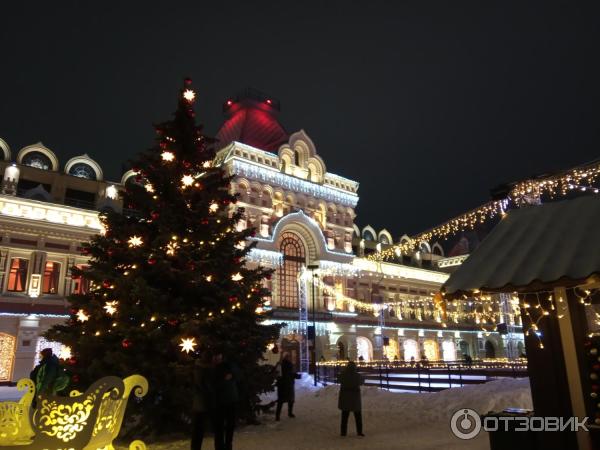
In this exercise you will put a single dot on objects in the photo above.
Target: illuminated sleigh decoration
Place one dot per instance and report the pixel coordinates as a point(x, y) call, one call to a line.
point(84, 421)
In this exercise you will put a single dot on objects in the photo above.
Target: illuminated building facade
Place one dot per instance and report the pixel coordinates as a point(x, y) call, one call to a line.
point(45, 215)
point(324, 283)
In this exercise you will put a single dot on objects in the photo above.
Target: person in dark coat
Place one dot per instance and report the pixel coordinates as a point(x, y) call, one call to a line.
point(203, 400)
point(48, 376)
point(285, 387)
point(349, 400)
point(226, 376)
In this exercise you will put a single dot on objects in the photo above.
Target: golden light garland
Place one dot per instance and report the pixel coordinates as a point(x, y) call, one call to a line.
point(581, 178)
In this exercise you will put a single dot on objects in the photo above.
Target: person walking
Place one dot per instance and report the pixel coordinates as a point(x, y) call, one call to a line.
point(203, 399)
point(349, 399)
point(227, 396)
point(285, 387)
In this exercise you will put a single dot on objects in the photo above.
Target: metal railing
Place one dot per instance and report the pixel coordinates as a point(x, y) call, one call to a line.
point(425, 377)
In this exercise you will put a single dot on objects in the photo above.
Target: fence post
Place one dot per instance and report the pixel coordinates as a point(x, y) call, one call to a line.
point(380, 376)
point(419, 375)
point(449, 374)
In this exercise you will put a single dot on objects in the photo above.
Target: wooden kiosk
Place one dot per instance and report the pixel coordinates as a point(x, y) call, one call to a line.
point(549, 258)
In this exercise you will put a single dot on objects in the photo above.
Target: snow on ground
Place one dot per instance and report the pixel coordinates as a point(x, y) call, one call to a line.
point(391, 420)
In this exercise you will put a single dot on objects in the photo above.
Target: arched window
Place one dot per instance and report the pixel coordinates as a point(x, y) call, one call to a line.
point(293, 260)
point(368, 236)
point(364, 349)
point(37, 160)
point(82, 170)
point(411, 350)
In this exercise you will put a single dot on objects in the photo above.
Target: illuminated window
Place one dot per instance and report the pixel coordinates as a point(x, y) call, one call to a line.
point(293, 260)
point(51, 277)
point(7, 356)
point(81, 285)
point(17, 276)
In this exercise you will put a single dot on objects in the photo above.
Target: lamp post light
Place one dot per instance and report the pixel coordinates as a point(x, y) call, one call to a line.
point(313, 268)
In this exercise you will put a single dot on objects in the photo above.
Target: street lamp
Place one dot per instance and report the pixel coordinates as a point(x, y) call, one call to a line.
point(313, 268)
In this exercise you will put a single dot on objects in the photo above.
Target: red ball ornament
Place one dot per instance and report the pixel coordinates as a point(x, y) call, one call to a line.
point(155, 215)
point(173, 322)
point(75, 378)
point(187, 81)
point(110, 252)
point(152, 261)
point(74, 311)
point(126, 343)
point(106, 284)
point(595, 387)
point(72, 361)
point(268, 276)
point(233, 299)
point(204, 221)
point(187, 164)
point(253, 233)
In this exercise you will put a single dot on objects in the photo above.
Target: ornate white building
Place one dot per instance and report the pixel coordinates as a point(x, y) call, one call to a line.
point(323, 284)
point(304, 217)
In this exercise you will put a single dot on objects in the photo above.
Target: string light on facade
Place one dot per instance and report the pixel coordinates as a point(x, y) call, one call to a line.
point(188, 344)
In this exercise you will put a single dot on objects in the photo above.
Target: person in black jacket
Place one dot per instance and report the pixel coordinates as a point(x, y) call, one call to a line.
point(349, 399)
point(226, 378)
point(203, 399)
point(285, 387)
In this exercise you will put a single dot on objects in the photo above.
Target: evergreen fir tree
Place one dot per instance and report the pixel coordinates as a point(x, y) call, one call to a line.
point(168, 279)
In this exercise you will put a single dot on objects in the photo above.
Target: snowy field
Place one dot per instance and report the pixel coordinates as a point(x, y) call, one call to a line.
point(391, 420)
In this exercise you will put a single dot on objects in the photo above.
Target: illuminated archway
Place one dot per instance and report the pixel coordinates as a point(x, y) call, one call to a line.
point(430, 349)
point(364, 348)
point(7, 356)
point(411, 350)
point(449, 351)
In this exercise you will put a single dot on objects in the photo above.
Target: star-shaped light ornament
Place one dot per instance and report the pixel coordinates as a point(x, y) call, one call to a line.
point(149, 187)
point(237, 277)
point(187, 180)
point(82, 316)
point(213, 207)
point(111, 307)
point(171, 248)
point(167, 156)
point(189, 95)
point(135, 241)
point(188, 344)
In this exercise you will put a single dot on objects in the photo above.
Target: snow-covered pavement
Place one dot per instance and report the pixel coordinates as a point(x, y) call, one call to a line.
point(391, 420)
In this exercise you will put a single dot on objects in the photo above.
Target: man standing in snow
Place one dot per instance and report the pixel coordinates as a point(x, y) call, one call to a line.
point(285, 387)
point(349, 400)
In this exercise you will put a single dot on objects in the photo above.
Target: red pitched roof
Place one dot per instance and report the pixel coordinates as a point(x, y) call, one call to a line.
point(254, 123)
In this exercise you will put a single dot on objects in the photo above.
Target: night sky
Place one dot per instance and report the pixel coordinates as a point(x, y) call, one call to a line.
point(427, 104)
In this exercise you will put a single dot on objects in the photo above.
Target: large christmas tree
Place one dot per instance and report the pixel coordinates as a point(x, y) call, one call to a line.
point(168, 279)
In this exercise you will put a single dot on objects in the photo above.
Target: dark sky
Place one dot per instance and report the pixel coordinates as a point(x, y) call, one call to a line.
point(428, 104)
